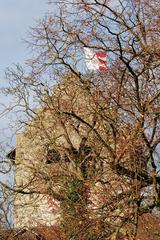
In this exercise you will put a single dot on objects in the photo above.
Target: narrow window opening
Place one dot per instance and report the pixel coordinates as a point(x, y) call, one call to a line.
point(52, 156)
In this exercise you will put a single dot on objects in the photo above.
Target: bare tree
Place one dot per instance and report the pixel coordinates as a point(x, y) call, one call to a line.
point(100, 129)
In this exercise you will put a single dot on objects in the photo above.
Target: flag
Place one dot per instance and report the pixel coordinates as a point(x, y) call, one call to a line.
point(95, 60)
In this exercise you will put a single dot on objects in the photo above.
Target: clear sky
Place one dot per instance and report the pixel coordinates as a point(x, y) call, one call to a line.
point(16, 16)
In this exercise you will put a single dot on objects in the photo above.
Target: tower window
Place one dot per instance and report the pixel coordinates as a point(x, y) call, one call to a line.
point(52, 156)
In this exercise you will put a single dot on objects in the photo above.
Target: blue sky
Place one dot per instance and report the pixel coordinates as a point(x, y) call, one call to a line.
point(16, 16)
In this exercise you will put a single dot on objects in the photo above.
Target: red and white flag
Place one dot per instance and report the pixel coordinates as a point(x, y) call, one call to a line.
point(95, 60)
